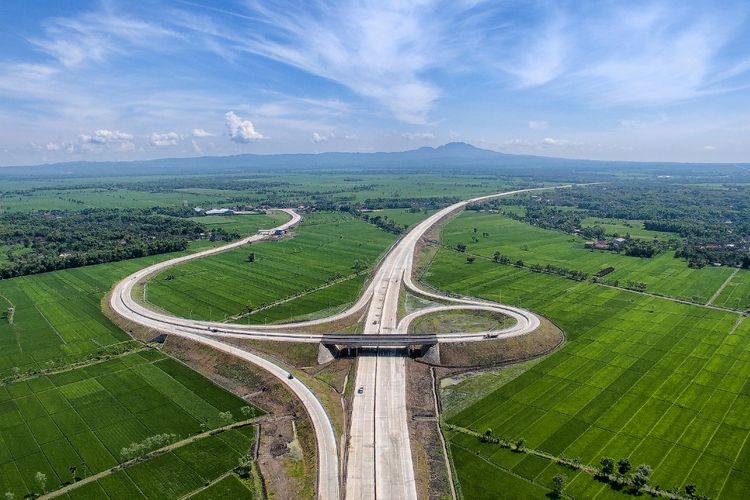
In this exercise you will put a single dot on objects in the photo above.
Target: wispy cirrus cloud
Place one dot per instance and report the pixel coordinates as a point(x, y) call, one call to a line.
point(97, 35)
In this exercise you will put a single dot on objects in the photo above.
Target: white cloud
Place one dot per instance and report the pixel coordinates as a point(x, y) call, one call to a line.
point(196, 148)
point(379, 50)
point(52, 146)
point(317, 138)
point(549, 141)
point(242, 131)
point(538, 125)
point(542, 59)
point(94, 36)
point(165, 139)
point(546, 143)
point(709, 148)
point(103, 140)
point(199, 132)
point(418, 136)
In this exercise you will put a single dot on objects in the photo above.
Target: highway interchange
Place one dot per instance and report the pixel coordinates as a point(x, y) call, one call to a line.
point(379, 461)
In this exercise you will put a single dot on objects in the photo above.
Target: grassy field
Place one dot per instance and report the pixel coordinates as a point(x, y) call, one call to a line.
point(323, 250)
point(662, 274)
point(461, 322)
point(58, 317)
point(737, 292)
point(83, 418)
point(229, 487)
point(662, 383)
point(402, 215)
point(182, 472)
point(622, 227)
point(245, 224)
point(289, 189)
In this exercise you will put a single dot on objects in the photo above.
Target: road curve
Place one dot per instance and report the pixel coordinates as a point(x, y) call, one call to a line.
point(379, 461)
point(386, 468)
point(122, 303)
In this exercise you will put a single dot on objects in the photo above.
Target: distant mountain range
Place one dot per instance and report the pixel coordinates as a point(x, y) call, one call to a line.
point(455, 156)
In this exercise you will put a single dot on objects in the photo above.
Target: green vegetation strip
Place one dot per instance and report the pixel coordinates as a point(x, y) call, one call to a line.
point(634, 483)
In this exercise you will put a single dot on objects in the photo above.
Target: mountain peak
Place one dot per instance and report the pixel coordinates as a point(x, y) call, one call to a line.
point(458, 146)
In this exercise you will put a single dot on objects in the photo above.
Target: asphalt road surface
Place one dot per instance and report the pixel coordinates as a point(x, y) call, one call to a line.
point(379, 461)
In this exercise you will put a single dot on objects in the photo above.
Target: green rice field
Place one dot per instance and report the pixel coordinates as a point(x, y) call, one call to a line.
point(323, 250)
point(58, 316)
point(736, 294)
point(245, 224)
point(182, 472)
point(662, 274)
point(82, 418)
point(621, 227)
point(663, 383)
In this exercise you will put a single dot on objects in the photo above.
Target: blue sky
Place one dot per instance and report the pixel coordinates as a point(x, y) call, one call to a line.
point(95, 80)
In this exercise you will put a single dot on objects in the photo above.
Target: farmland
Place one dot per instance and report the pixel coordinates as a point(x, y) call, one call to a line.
point(245, 224)
point(662, 274)
point(660, 382)
point(736, 293)
point(58, 317)
point(184, 471)
point(325, 250)
point(83, 418)
point(621, 227)
point(268, 188)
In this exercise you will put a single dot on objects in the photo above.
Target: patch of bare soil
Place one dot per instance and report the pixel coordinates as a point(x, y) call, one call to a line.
point(541, 341)
point(285, 474)
point(292, 353)
point(426, 447)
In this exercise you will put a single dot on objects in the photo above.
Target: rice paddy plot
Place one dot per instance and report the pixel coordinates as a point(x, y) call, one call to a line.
point(244, 224)
point(736, 293)
point(660, 382)
point(74, 424)
point(486, 233)
point(326, 248)
point(57, 316)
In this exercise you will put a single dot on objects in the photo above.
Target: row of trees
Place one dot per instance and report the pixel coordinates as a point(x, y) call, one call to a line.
point(571, 274)
point(151, 443)
point(619, 474)
point(383, 222)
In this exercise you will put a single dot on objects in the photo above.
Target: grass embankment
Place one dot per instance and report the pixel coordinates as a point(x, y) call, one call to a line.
point(461, 322)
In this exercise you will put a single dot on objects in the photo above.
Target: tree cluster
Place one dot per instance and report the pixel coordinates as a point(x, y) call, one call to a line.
point(571, 274)
point(151, 443)
point(46, 241)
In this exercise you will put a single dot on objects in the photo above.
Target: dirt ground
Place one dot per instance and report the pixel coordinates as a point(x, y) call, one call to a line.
point(426, 447)
point(287, 460)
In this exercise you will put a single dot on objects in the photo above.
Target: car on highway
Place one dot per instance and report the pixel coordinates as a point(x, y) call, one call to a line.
point(361, 390)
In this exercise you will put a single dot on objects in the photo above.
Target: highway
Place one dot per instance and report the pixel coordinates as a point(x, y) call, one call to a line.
point(379, 463)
